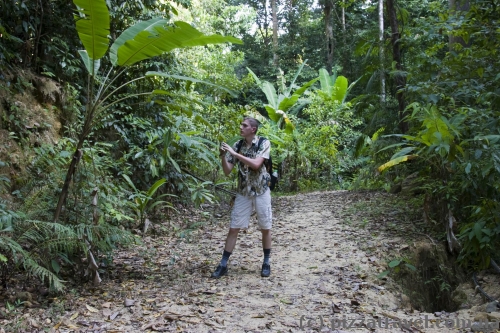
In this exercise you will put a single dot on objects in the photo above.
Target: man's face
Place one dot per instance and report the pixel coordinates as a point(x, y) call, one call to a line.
point(246, 128)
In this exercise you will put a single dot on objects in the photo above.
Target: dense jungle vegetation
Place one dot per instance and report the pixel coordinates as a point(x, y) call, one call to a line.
point(112, 112)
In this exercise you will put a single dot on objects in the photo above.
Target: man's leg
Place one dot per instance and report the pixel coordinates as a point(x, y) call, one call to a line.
point(232, 236)
point(266, 246)
point(264, 215)
point(240, 216)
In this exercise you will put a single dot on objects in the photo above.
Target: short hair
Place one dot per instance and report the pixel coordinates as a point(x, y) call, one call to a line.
point(253, 122)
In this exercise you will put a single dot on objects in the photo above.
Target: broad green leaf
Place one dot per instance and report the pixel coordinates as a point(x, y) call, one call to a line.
point(410, 266)
point(187, 78)
point(270, 92)
point(394, 263)
point(160, 39)
point(395, 161)
point(91, 64)
point(302, 89)
point(340, 89)
point(326, 84)
point(383, 274)
point(92, 26)
point(3, 258)
point(271, 112)
point(131, 32)
point(55, 266)
point(287, 102)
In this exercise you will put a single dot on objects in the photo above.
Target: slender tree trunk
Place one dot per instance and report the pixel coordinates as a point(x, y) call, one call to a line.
point(399, 78)
point(381, 49)
point(67, 181)
point(274, 10)
point(330, 42)
point(343, 16)
point(457, 6)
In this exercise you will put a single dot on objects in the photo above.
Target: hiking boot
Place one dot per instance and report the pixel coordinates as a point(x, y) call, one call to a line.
point(266, 270)
point(219, 271)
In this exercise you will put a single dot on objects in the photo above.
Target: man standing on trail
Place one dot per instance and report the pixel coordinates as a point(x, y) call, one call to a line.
point(253, 191)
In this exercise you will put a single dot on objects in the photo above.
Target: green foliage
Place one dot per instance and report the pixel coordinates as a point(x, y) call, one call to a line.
point(278, 104)
point(199, 192)
point(396, 265)
point(143, 201)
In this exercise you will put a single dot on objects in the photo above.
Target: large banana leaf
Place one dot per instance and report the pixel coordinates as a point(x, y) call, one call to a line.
point(333, 87)
point(92, 26)
point(288, 102)
point(270, 91)
point(157, 38)
point(340, 89)
point(325, 81)
point(133, 31)
point(91, 65)
point(271, 112)
point(302, 89)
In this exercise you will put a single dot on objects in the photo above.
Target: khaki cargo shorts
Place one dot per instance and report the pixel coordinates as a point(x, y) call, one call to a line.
point(243, 208)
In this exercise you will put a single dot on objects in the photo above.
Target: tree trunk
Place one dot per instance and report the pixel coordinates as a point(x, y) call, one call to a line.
point(330, 43)
point(343, 16)
point(399, 78)
point(67, 181)
point(457, 6)
point(275, 33)
point(381, 49)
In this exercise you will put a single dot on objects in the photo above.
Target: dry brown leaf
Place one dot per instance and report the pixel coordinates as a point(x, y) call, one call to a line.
point(91, 308)
point(106, 305)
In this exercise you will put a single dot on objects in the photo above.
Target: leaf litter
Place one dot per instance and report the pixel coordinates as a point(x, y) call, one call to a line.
point(324, 261)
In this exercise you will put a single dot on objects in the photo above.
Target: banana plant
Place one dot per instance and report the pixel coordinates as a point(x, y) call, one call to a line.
point(141, 41)
point(279, 103)
point(333, 87)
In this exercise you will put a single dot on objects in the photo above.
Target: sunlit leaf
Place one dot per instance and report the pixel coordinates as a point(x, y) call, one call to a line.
point(396, 161)
point(93, 26)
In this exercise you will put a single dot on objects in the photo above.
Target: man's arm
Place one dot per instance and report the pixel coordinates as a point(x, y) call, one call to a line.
point(226, 166)
point(253, 163)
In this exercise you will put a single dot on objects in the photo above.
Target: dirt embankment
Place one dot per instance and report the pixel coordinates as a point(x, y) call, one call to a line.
point(328, 249)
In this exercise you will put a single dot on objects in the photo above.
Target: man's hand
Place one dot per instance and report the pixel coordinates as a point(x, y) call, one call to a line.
point(227, 148)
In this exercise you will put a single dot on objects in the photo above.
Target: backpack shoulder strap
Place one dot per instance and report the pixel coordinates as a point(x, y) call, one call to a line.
point(238, 145)
point(261, 139)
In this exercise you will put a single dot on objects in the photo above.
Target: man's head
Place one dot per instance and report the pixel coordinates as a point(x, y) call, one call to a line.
point(249, 126)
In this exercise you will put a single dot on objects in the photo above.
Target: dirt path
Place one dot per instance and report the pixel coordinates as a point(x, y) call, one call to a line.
point(324, 267)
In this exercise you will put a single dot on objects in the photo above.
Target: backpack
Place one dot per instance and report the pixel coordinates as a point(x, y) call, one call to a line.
point(268, 163)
